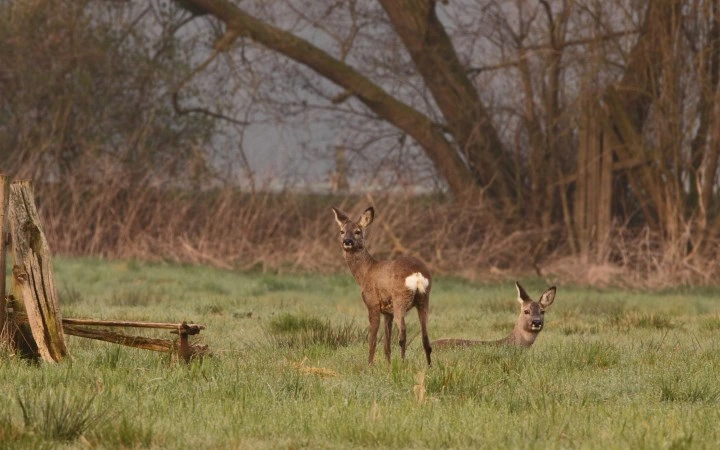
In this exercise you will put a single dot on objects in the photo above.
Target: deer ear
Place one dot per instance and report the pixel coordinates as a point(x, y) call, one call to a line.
point(367, 217)
point(522, 295)
point(340, 217)
point(547, 297)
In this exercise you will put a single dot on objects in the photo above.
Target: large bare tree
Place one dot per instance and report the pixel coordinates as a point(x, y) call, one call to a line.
point(464, 146)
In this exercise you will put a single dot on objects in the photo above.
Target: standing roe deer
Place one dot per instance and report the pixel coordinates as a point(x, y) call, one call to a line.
point(529, 323)
point(389, 287)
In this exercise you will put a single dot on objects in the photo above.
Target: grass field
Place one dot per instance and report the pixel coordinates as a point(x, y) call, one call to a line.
point(288, 368)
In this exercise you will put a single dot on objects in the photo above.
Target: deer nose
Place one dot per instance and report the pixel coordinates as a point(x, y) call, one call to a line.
point(347, 242)
point(537, 323)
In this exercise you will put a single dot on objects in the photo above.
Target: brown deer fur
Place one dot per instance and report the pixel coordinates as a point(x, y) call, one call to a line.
point(529, 323)
point(390, 288)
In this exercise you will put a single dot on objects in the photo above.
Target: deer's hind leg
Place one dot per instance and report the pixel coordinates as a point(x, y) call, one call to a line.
point(388, 334)
point(423, 307)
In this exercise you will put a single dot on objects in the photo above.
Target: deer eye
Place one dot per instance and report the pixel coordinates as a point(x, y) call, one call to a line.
point(542, 312)
point(358, 232)
point(527, 311)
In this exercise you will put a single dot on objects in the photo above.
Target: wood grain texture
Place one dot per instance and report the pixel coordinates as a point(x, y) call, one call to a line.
point(33, 273)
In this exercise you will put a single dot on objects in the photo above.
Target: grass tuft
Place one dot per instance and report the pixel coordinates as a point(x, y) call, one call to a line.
point(69, 295)
point(578, 328)
point(212, 308)
point(679, 389)
point(290, 331)
point(9, 432)
point(636, 319)
point(711, 323)
point(62, 416)
point(131, 298)
point(126, 433)
point(290, 323)
point(583, 355)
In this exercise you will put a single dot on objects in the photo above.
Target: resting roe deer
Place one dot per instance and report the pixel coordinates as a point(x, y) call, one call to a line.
point(529, 323)
point(389, 288)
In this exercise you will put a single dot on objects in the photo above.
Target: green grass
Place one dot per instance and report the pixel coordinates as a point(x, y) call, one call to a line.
point(288, 368)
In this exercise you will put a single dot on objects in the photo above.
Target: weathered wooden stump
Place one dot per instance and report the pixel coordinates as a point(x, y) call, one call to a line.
point(33, 280)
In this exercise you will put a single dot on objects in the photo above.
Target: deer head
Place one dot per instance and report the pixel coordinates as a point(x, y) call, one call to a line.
point(352, 234)
point(532, 314)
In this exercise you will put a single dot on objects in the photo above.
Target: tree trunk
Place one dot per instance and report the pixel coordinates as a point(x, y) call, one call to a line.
point(709, 73)
point(706, 162)
point(710, 164)
point(593, 186)
point(629, 103)
point(432, 51)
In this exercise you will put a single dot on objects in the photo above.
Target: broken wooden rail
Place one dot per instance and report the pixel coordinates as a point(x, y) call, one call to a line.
point(85, 328)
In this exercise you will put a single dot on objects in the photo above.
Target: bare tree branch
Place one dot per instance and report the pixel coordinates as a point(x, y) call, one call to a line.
point(414, 123)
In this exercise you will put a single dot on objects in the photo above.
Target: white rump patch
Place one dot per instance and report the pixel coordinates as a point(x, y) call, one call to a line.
point(417, 282)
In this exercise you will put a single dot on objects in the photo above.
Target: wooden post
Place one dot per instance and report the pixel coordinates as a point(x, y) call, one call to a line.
point(4, 328)
point(186, 351)
point(33, 274)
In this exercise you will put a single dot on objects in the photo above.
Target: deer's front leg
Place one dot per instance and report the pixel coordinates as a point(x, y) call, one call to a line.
point(374, 317)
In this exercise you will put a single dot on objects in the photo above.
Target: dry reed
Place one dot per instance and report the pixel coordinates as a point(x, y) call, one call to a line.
point(291, 232)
